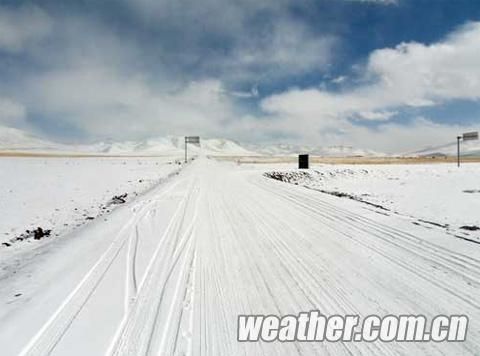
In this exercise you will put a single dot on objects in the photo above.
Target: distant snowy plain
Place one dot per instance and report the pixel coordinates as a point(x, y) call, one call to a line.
point(60, 194)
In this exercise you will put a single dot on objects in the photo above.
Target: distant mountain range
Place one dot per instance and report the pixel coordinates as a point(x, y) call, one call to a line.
point(17, 140)
point(328, 151)
point(467, 149)
point(12, 139)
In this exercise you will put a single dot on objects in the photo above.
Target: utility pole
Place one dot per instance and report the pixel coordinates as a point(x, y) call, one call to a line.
point(458, 150)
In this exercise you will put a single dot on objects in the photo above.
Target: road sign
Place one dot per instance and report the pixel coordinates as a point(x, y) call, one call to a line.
point(470, 136)
point(303, 161)
point(467, 136)
point(191, 139)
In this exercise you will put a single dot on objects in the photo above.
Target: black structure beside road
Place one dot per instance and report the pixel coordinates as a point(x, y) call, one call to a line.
point(303, 161)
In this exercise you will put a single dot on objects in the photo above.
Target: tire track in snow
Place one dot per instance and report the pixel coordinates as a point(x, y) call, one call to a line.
point(131, 274)
point(45, 340)
point(277, 249)
point(241, 244)
point(173, 224)
point(384, 240)
point(186, 314)
point(432, 254)
point(154, 314)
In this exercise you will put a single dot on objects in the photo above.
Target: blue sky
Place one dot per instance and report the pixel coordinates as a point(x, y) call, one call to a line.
point(380, 74)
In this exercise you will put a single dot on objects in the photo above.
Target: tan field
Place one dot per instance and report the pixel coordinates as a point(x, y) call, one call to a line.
point(268, 159)
point(347, 160)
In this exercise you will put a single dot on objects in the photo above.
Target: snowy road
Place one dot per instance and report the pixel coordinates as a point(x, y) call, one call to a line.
point(170, 273)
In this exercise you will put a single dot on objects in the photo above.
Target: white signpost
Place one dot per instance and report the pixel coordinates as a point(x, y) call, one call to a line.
point(467, 136)
point(191, 139)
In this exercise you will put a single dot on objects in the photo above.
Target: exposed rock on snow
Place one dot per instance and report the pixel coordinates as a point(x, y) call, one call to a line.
point(119, 199)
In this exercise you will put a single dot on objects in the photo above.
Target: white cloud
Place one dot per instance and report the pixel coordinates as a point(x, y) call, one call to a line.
point(104, 102)
point(11, 112)
point(445, 70)
point(261, 40)
point(215, 16)
point(94, 80)
point(405, 138)
point(411, 74)
point(101, 82)
point(253, 93)
point(287, 48)
point(377, 115)
point(340, 79)
point(98, 81)
point(21, 27)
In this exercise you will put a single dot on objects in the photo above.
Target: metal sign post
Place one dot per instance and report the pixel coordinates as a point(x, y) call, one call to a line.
point(467, 136)
point(458, 150)
point(191, 139)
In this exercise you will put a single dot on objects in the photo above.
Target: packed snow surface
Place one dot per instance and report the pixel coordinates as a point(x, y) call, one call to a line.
point(169, 272)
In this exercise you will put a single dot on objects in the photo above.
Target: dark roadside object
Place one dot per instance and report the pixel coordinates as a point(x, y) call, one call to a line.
point(119, 199)
point(288, 177)
point(302, 161)
point(470, 227)
point(39, 233)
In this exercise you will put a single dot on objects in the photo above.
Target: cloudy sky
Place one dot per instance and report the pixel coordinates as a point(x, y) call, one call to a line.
point(389, 75)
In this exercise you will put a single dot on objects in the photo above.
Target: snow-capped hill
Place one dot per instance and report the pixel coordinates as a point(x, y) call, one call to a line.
point(159, 145)
point(223, 146)
point(329, 151)
point(18, 140)
point(169, 145)
point(467, 148)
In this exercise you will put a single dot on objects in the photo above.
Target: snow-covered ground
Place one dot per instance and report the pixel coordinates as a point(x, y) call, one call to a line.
point(60, 194)
point(170, 272)
point(436, 193)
